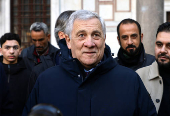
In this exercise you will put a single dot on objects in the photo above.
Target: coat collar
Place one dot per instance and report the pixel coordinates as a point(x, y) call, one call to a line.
point(52, 50)
point(153, 71)
point(15, 68)
point(74, 67)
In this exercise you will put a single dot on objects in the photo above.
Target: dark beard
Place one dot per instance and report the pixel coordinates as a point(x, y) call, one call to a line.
point(162, 65)
point(132, 52)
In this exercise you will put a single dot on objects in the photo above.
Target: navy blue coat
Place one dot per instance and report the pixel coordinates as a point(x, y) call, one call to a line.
point(5, 102)
point(109, 90)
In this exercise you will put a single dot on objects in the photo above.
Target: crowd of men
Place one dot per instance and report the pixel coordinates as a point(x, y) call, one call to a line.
point(82, 78)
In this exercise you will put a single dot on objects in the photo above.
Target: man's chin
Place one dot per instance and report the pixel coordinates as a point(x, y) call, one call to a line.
point(131, 53)
point(164, 64)
point(40, 51)
point(12, 61)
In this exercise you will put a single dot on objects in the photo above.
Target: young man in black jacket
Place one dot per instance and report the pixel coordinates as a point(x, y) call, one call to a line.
point(16, 71)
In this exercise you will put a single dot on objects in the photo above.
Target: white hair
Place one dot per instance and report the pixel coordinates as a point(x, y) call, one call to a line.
point(83, 15)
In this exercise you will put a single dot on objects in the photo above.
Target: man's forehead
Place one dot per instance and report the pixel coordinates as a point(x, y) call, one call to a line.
point(10, 43)
point(92, 21)
point(85, 25)
point(37, 33)
point(163, 37)
point(129, 26)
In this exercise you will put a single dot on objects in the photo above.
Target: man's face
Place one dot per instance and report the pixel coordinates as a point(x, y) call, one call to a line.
point(40, 40)
point(129, 38)
point(87, 42)
point(162, 49)
point(10, 51)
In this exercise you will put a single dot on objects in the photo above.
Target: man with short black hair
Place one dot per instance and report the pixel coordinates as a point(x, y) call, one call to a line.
point(132, 53)
point(156, 77)
point(18, 75)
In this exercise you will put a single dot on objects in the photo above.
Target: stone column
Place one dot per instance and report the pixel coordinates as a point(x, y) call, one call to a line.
point(5, 16)
point(150, 16)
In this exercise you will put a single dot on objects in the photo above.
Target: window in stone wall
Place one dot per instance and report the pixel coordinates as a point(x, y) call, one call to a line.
point(26, 12)
point(168, 16)
point(105, 8)
point(123, 5)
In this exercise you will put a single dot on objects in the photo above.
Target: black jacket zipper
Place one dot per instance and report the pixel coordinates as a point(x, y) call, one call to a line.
point(8, 73)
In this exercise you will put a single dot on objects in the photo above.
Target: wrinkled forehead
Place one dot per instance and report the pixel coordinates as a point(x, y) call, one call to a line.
point(87, 25)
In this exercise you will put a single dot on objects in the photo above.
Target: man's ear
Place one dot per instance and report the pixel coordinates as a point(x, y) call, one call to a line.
point(68, 41)
point(141, 37)
point(61, 34)
point(118, 40)
point(104, 41)
point(48, 37)
point(1, 51)
point(20, 50)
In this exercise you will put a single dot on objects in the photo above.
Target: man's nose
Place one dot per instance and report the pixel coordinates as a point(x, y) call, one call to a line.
point(89, 42)
point(37, 43)
point(130, 41)
point(11, 50)
point(163, 49)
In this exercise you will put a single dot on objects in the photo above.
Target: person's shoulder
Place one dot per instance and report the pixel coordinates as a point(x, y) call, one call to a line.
point(1, 64)
point(125, 75)
point(116, 58)
point(145, 71)
point(53, 48)
point(51, 72)
point(1, 68)
point(150, 57)
point(125, 71)
point(26, 50)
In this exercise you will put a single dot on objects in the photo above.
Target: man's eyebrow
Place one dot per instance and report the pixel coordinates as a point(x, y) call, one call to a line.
point(158, 42)
point(96, 31)
point(134, 34)
point(38, 39)
point(81, 31)
point(11, 46)
point(123, 35)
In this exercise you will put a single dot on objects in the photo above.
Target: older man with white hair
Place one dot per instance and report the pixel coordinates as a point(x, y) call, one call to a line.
point(88, 82)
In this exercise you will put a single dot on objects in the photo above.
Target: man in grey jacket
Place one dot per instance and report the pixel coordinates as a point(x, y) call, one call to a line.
point(156, 76)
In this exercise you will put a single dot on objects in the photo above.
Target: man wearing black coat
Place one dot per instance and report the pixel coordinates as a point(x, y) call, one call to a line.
point(18, 76)
point(41, 55)
point(88, 82)
point(132, 53)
